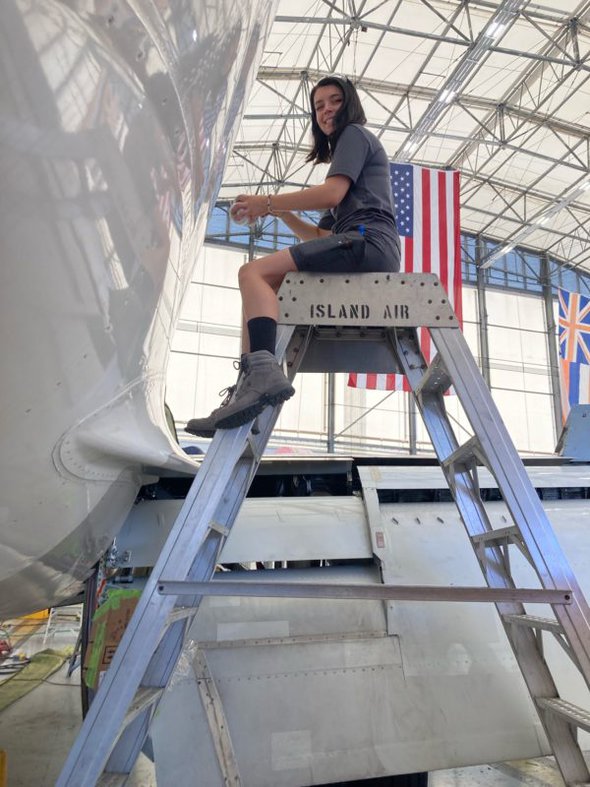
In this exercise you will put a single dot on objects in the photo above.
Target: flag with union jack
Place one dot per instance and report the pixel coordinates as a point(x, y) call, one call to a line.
point(427, 208)
point(574, 349)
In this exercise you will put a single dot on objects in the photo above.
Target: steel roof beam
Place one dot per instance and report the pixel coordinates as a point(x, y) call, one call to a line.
point(522, 89)
point(506, 13)
point(508, 126)
point(309, 74)
point(425, 94)
point(541, 218)
point(304, 77)
point(551, 15)
point(425, 63)
point(347, 21)
point(493, 236)
point(495, 143)
point(445, 19)
point(479, 180)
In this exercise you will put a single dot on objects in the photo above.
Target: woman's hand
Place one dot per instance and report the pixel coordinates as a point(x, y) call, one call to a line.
point(249, 207)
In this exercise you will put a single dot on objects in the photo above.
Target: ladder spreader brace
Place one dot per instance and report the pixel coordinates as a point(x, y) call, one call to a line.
point(363, 323)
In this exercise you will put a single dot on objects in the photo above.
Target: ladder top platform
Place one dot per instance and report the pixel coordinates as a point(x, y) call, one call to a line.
point(365, 299)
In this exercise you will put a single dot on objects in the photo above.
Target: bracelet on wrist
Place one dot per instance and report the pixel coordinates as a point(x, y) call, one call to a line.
point(269, 210)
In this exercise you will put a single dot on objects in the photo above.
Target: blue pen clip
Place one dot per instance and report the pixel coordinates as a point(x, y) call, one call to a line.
point(361, 228)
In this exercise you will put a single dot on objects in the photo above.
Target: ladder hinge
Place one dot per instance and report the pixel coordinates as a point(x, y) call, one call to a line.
point(435, 380)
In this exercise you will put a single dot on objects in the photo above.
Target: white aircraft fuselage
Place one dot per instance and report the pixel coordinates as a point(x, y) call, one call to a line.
point(116, 121)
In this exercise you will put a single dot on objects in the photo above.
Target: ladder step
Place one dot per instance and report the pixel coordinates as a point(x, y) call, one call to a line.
point(464, 455)
point(497, 537)
point(180, 613)
point(436, 379)
point(253, 450)
point(567, 710)
point(144, 697)
point(535, 622)
point(219, 528)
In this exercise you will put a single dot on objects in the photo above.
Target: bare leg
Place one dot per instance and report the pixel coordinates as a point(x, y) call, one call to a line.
point(245, 338)
point(264, 383)
point(259, 281)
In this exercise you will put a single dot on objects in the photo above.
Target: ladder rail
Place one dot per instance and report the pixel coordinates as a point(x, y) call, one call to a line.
point(523, 640)
point(167, 652)
point(149, 619)
point(507, 466)
point(209, 551)
point(470, 505)
point(191, 550)
point(463, 487)
point(520, 496)
point(462, 484)
point(163, 663)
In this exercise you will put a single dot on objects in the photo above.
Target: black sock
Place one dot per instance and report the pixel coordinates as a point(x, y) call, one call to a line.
point(263, 334)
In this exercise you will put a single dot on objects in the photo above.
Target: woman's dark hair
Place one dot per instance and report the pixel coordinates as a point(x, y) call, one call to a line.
point(351, 111)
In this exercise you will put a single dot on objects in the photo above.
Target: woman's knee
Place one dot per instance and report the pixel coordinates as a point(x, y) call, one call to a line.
point(248, 274)
point(253, 273)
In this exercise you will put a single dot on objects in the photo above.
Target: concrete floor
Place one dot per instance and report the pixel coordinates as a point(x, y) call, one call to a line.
point(37, 731)
point(534, 773)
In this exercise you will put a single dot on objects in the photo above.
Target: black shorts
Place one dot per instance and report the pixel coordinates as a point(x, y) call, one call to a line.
point(347, 252)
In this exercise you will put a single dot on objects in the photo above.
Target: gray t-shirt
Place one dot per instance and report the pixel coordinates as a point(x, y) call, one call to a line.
point(369, 201)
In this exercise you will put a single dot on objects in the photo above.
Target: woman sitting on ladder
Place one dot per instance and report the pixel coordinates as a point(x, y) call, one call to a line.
point(357, 233)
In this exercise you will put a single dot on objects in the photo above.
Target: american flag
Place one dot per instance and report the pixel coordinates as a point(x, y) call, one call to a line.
point(427, 207)
point(574, 349)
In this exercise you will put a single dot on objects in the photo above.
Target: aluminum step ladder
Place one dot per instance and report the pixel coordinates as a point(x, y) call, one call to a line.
point(362, 322)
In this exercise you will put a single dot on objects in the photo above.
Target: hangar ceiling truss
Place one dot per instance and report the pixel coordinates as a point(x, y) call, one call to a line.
point(497, 89)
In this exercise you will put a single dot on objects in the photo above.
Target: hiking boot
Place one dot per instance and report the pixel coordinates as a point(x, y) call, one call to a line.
point(263, 384)
point(205, 427)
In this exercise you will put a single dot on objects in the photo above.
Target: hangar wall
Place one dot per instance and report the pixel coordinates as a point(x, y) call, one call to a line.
point(206, 344)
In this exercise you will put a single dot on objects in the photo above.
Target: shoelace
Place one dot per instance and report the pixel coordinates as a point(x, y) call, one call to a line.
point(230, 390)
point(228, 393)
